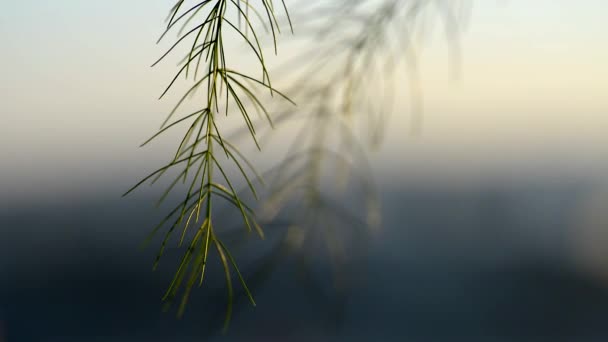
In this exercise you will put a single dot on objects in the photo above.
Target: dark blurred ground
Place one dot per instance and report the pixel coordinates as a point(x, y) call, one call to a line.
point(483, 264)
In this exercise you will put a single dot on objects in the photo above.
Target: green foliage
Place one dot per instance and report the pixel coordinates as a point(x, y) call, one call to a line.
point(356, 45)
point(196, 157)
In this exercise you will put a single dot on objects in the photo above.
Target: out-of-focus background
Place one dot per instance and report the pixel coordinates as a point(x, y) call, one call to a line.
point(489, 219)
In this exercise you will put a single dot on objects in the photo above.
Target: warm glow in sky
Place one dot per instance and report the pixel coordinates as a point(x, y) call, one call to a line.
point(78, 96)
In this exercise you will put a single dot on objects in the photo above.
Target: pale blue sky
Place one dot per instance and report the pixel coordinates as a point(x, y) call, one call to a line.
point(77, 93)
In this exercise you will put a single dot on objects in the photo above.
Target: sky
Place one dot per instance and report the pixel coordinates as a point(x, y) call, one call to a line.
point(78, 95)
